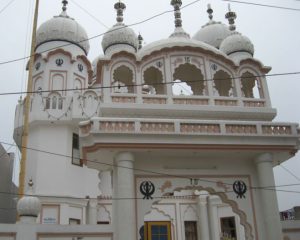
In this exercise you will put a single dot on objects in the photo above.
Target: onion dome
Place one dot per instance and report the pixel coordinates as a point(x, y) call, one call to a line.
point(29, 206)
point(236, 45)
point(120, 37)
point(212, 33)
point(63, 28)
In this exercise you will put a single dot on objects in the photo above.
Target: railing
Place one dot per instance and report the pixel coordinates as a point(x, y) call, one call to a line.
point(182, 126)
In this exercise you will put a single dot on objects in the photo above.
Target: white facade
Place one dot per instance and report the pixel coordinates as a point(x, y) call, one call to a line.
point(111, 144)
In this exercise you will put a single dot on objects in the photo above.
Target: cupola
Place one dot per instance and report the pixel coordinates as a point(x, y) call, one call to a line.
point(62, 31)
point(29, 206)
point(236, 45)
point(120, 36)
point(212, 33)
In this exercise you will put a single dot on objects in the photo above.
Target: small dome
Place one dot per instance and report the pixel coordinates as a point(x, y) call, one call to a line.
point(120, 34)
point(237, 43)
point(63, 28)
point(29, 206)
point(213, 33)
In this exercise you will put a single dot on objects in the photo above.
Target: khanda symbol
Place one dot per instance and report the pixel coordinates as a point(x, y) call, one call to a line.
point(240, 188)
point(147, 188)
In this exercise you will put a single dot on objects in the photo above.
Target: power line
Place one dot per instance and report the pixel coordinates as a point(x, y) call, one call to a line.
point(290, 172)
point(101, 34)
point(141, 22)
point(91, 15)
point(6, 6)
point(263, 5)
point(153, 172)
point(157, 83)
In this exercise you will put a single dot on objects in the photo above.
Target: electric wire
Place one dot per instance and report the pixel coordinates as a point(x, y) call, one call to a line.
point(290, 172)
point(263, 5)
point(101, 34)
point(149, 171)
point(157, 83)
point(141, 22)
point(6, 6)
point(91, 15)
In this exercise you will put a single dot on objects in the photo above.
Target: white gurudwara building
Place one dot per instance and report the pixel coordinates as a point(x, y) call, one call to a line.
point(112, 146)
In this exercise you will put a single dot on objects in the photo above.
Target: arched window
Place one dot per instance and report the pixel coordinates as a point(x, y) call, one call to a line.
point(192, 77)
point(123, 80)
point(54, 101)
point(154, 79)
point(223, 84)
point(250, 86)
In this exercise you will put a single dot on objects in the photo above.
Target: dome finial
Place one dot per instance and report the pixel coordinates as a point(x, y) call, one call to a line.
point(231, 16)
point(140, 39)
point(179, 32)
point(65, 3)
point(177, 4)
point(210, 11)
point(120, 7)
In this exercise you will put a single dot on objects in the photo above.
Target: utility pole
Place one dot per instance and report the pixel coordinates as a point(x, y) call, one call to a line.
point(24, 141)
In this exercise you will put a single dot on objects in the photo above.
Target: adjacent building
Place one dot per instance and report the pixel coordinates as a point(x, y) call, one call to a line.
point(8, 189)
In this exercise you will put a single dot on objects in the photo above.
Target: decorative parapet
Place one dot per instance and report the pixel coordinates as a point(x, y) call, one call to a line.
point(191, 101)
point(254, 103)
point(184, 127)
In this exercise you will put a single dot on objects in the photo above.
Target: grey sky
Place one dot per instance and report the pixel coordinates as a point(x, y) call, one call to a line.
point(274, 33)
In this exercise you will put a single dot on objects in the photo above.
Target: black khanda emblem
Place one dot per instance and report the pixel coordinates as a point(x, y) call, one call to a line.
point(147, 188)
point(240, 188)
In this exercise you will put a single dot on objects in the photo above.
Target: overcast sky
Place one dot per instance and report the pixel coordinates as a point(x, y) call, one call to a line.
point(274, 33)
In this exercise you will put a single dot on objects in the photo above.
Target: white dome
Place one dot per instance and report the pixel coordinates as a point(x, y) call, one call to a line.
point(213, 33)
point(237, 43)
point(63, 28)
point(29, 206)
point(120, 34)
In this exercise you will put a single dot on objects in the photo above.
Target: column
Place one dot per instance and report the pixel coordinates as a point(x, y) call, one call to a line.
point(125, 215)
point(213, 217)
point(203, 216)
point(272, 225)
point(92, 212)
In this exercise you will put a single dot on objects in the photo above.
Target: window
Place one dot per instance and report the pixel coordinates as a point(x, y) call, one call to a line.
point(228, 228)
point(75, 150)
point(154, 79)
point(158, 230)
point(192, 77)
point(190, 229)
point(123, 80)
point(223, 84)
point(250, 86)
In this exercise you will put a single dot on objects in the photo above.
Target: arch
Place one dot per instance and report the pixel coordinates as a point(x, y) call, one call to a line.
point(89, 99)
point(37, 86)
point(153, 77)
point(57, 82)
point(123, 80)
point(242, 215)
point(103, 215)
point(192, 76)
point(223, 84)
point(251, 86)
point(78, 84)
point(54, 101)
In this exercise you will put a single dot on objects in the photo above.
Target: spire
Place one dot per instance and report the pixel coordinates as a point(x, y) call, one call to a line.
point(210, 12)
point(140, 39)
point(120, 7)
point(231, 16)
point(65, 3)
point(177, 4)
point(179, 32)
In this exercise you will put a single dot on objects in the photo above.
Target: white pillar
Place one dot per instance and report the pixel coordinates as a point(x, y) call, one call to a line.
point(92, 211)
point(213, 217)
point(203, 217)
point(269, 203)
point(125, 215)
